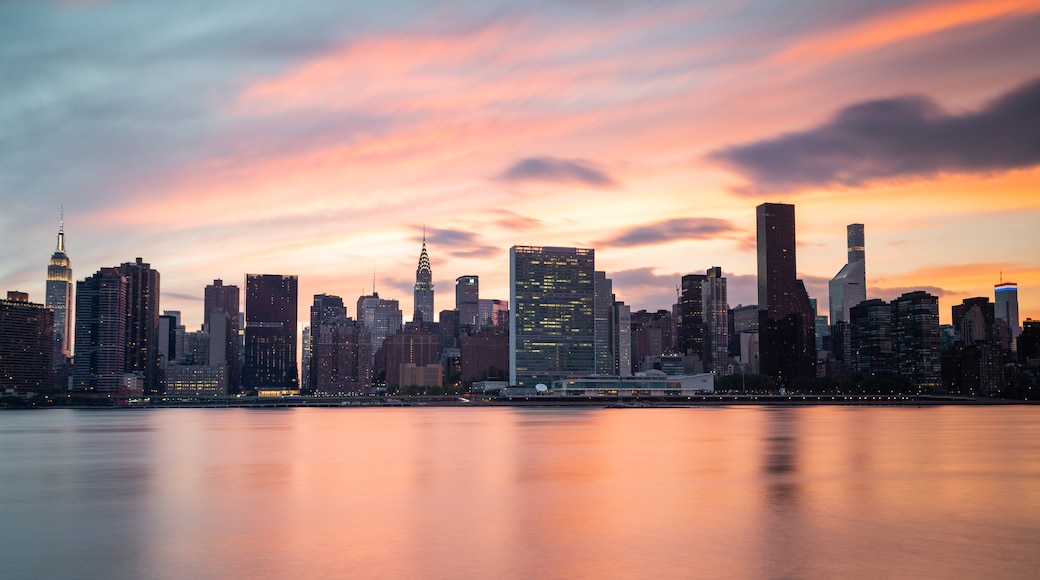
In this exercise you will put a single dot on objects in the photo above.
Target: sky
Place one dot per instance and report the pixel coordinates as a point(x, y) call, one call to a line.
point(322, 138)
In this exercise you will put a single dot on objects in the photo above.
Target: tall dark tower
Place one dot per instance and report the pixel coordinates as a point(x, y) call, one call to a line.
point(100, 364)
point(224, 301)
point(691, 315)
point(423, 296)
point(142, 323)
point(59, 298)
point(787, 341)
point(270, 365)
point(467, 302)
point(326, 309)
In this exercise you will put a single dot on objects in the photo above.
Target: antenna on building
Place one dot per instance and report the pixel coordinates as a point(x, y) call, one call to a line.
point(373, 281)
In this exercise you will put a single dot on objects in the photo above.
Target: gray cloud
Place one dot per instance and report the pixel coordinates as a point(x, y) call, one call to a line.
point(557, 170)
point(898, 138)
point(459, 244)
point(670, 231)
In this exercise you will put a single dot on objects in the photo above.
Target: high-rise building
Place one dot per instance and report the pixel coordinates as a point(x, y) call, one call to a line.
point(691, 315)
point(382, 317)
point(341, 360)
point(142, 324)
point(715, 309)
point(849, 287)
point(485, 355)
point(915, 339)
point(467, 302)
point(551, 318)
point(100, 338)
point(59, 298)
point(26, 344)
point(787, 341)
point(326, 308)
point(493, 312)
point(270, 357)
point(1005, 298)
point(416, 346)
point(423, 295)
point(621, 341)
point(223, 302)
point(870, 329)
point(604, 313)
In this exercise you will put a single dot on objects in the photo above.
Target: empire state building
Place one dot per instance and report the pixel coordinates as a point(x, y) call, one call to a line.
point(59, 297)
point(423, 296)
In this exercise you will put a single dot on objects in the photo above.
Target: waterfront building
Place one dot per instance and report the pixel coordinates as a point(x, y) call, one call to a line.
point(493, 312)
point(603, 311)
point(1005, 298)
point(915, 340)
point(621, 339)
point(849, 287)
point(423, 294)
point(142, 324)
point(485, 355)
point(224, 302)
point(341, 361)
point(690, 321)
point(270, 345)
point(59, 298)
point(1029, 343)
point(467, 302)
point(787, 342)
point(416, 346)
point(870, 329)
point(100, 335)
point(27, 343)
point(653, 383)
point(326, 308)
point(715, 308)
point(448, 329)
point(551, 318)
point(975, 364)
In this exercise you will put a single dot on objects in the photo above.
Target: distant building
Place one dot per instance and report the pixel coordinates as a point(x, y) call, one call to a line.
point(849, 287)
point(326, 309)
point(786, 328)
point(621, 339)
point(603, 310)
point(26, 344)
point(651, 383)
point(224, 302)
point(416, 346)
point(975, 364)
point(142, 324)
point(59, 298)
point(552, 329)
point(1005, 308)
point(485, 356)
point(101, 312)
point(493, 312)
point(691, 315)
point(915, 340)
point(467, 302)
point(381, 316)
point(271, 317)
point(341, 361)
point(423, 294)
point(870, 328)
point(715, 309)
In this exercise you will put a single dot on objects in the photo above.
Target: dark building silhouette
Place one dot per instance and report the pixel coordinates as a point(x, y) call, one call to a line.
point(414, 346)
point(485, 355)
point(975, 364)
point(326, 308)
point(224, 302)
point(870, 329)
point(341, 361)
point(915, 340)
point(26, 344)
point(448, 329)
point(101, 313)
point(1029, 343)
point(142, 323)
point(787, 321)
point(270, 357)
point(691, 315)
point(467, 302)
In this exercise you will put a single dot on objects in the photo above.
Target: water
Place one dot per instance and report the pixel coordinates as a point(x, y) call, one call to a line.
point(748, 492)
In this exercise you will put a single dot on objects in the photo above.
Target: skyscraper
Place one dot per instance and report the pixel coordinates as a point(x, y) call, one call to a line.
point(26, 344)
point(270, 361)
point(223, 302)
point(551, 318)
point(604, 312)
point(849, 287)
point(326, 309)
point(786, 328)
point(915, 339)
point(381, 316)
point(423, 296)
point(59, 298)
point(715, 309)
point(142, 323)
point(467, 302)
point(101, 312)
point(691, 315)
point(1005, 298)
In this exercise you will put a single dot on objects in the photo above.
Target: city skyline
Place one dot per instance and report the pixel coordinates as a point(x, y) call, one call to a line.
point(299, 144)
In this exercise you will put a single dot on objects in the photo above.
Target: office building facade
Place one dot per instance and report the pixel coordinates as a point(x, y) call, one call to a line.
point(270, 334)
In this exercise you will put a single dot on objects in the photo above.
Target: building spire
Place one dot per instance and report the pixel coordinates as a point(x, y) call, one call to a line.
point(61, 232)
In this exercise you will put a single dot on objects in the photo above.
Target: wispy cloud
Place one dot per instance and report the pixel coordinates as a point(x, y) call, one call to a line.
point(459, 243)
point(671, 231)
point(891, 139)
point(555, 170)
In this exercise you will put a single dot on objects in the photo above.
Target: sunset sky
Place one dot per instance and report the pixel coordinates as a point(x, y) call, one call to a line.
point(319, 138)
